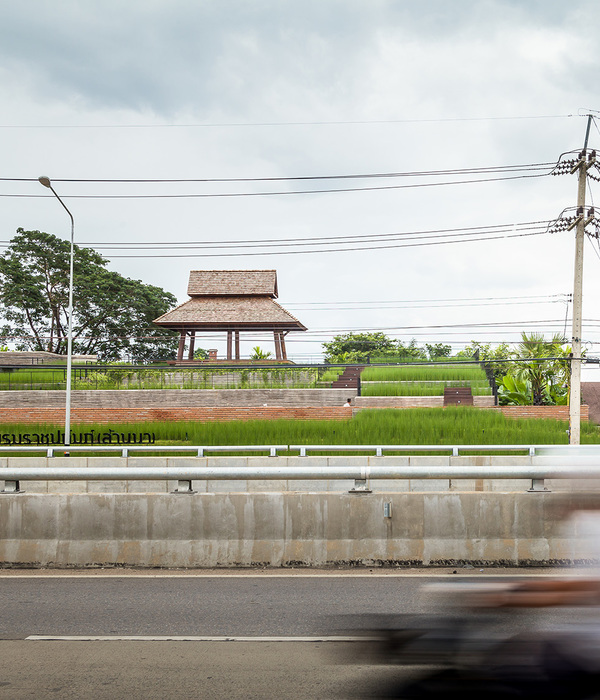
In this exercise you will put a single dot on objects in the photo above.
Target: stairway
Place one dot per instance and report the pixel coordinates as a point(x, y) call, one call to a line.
point(458, 395)
point(349, 379)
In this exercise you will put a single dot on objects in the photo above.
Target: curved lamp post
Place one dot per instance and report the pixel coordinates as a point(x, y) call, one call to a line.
point(46, 182)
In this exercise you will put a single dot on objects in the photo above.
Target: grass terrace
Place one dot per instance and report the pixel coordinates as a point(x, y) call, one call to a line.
point(423, 380)
point(419, 426)
point(124, 377)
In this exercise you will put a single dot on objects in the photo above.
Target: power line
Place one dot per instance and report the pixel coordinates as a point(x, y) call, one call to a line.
point(558, 297)
point(329, 250)
point(295, 123)
point(276, 193)
point(357, 176)
point(317, 240)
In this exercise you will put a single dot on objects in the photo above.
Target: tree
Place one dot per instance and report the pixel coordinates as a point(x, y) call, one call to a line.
point(200, 354)
point(112, 314)
point(358, 347)
point(436, 350)
point(545, 365)
point(410, 351)
point(497, 358)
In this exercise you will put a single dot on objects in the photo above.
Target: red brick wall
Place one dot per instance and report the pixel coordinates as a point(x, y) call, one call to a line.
point(557, 412)
point(201, 414)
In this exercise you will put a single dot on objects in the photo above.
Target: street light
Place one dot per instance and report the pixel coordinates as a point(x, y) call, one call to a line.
point(46, 182)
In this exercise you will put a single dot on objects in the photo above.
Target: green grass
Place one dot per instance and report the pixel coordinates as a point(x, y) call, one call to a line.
point(425, 426)
point(423, 373)
point(478, 388)
point(123, 377)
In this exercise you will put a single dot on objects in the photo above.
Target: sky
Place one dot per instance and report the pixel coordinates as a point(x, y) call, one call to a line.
point(184, 90)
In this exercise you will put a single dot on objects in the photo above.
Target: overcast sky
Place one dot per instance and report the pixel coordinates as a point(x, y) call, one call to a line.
point(186, 89)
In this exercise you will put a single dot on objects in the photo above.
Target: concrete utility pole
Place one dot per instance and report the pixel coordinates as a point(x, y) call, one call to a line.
point(580, 223)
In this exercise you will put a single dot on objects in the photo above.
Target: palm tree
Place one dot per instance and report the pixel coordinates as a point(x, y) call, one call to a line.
point(543, 363)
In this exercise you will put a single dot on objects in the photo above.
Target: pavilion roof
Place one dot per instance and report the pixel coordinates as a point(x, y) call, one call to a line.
point(221, 312)
point(233, 282)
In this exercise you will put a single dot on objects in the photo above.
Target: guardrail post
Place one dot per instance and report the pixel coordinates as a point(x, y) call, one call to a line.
point(360, 486)
point(378, 452)
point(184, 486)
point(273, 452)
point(50, 452)
point(537, 485)
point(11, 486)
point(455, 451)
point(303, 452)
point(201, 452)
point(532, 451)
point(124, 452)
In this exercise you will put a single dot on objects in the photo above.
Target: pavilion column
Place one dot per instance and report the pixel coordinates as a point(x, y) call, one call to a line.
point(282, 341)
point(237, 345)
point(277, 339)
point(192, 343)
point(181, 345)
point(229, 345)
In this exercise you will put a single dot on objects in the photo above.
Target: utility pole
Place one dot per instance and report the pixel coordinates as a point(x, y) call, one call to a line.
point(580, 222)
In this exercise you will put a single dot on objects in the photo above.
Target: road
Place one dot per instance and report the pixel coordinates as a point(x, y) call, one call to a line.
point(265, 614)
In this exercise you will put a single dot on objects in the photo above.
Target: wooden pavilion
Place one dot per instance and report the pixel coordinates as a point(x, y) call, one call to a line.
point(231, 301)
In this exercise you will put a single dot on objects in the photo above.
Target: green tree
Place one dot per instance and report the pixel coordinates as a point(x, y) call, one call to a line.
point(358, 347)
point(200, 354)
point(112, 314)
point(497, 358)
point(410, 351)
point(435, 350)
point(545, 365)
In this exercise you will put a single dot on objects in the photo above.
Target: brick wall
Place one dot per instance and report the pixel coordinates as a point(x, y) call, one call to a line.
point(556, 412)
point(56, 416)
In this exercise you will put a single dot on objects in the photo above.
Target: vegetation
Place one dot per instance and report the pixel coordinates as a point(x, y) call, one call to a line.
point(496, 357)
point(112, 314)
point(426, 426)
point(540, 374)
point(259, 354)
point(421, 388)
point(424, 373)
point(128, 377)
point(357, 347)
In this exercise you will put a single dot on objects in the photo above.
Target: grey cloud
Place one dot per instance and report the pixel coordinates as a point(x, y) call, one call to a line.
point(231, 56)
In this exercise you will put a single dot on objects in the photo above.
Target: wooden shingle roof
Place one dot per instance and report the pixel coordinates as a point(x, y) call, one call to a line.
point(230, 312)
point(233, 282)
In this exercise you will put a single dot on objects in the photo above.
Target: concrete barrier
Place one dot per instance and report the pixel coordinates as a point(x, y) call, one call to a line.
point(284, 529)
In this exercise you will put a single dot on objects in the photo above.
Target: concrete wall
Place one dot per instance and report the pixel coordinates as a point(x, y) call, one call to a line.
point(283, 529)
point(171, 398)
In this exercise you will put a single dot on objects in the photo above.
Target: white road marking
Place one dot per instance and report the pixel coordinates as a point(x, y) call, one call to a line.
point(375, 574)
point(175, 638)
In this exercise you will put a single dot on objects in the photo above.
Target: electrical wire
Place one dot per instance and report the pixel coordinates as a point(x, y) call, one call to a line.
point(329, 250)
point(274, 193)
point(363, 176)
point(296, 123)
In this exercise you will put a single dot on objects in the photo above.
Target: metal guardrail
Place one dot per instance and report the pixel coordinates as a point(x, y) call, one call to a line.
point(303, 450)
point(185, 475)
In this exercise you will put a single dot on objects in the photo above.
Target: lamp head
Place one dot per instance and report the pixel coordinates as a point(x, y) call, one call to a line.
point(45, 181)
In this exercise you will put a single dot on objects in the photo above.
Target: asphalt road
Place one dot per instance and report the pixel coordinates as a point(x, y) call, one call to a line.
point(224, 607)
point(198, 606)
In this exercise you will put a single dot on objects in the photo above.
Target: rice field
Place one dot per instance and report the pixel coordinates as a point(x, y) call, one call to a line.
point(424, 373)
point(122, 377)
point(423, 380)
point(420, 388)
point(419, 426)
